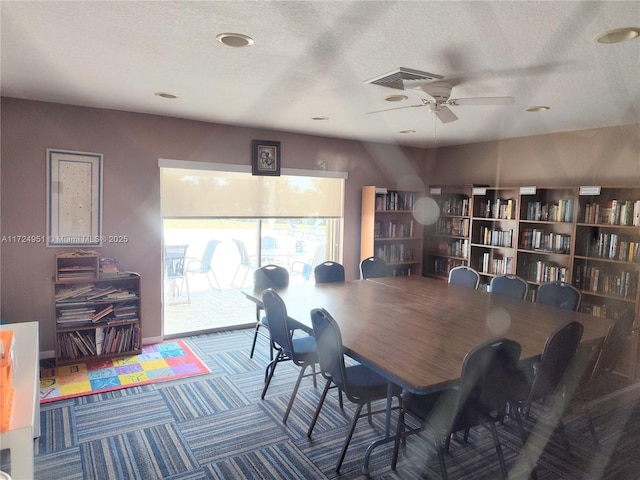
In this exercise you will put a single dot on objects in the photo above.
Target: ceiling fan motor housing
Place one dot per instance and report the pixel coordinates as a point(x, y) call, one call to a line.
point(439, 91)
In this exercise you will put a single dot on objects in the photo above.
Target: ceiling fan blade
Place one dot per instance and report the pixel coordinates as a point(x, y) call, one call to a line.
point(482, 101)
point(445, 115)
point(397, 108)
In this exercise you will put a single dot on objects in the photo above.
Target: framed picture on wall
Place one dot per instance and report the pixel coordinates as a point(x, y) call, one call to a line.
point(74, 198)
point(265, 157)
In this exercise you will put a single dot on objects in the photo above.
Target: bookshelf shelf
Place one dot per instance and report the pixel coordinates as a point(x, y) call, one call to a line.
point(389, 230)
point(96, 317)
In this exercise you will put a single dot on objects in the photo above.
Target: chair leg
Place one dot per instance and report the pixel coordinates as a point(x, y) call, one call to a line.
point(396, 443)
point(255, 337)
point(295, 391)
point(319, 407)
point(563, 435)
point(348, 439)
point(272, 366)
point(496, 441)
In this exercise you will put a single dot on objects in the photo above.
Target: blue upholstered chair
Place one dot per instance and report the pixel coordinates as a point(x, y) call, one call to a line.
point(480, 398)
point(465, 276)
point(373, 267)
point(269, 276)
point(329, 272)
point(300, 350)
point(559, 294)
point(360, 384)
point(509, 286)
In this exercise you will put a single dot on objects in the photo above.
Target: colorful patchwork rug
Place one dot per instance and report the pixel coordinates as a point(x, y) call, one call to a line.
point(159, 362)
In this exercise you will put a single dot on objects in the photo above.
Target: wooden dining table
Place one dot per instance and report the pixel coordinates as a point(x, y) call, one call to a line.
point(417, 330)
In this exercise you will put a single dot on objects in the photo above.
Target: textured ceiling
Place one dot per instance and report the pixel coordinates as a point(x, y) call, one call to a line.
point(312, 58)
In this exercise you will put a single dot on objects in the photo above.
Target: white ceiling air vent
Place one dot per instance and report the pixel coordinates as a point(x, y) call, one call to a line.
point(397, 77)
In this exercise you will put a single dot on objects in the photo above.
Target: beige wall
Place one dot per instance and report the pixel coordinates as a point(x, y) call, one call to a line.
point(131, 145)
point(604, 156)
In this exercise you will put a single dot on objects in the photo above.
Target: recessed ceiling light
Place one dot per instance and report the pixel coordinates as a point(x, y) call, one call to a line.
point(234, 39)
point(396, 98)
point(407, 131)
point(320, 118)
point(538, 108)
point(618, 35)
point(165, 95)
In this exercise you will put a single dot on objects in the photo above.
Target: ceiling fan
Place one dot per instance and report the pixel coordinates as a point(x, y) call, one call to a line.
point(438, 91)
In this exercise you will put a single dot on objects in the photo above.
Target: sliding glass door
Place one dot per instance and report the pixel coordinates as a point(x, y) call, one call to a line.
point(202, 290)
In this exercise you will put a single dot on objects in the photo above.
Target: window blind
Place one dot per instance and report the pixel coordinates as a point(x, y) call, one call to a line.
point(195, 189)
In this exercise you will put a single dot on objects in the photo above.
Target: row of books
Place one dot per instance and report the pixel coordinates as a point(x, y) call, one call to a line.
point(393, 229)
point(91, 292)
point(543, 272)
point(496, 265)
point(68, 317)
point(395, 253)
point(496, 238)
point(536, 239)
point(456, 227)
point(551, 212)
point(454, 248)
point(395, 201)
point(442, 266)
point(614, 247)
point(104, 340)
point(455, 206)
point(620, 284)
point(499, 208)
point(615, 212)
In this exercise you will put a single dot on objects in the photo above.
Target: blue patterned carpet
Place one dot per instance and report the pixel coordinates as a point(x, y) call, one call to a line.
point(216, 427)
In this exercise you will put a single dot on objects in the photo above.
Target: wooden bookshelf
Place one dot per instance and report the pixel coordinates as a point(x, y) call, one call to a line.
point(96, 317)
point(447, 240)
point(389, 229)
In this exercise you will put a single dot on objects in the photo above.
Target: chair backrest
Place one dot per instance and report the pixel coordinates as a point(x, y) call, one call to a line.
point(613, 344)
point(245, 259)
point(330, 348)
point(207, 256)
point(465, 276)
point(557, 356)
point(487, 371)
point(373, 267)
point(509, 286)
point(271, 276)
point(276, 312)
point(329, 272)
point(269, 243)
point(174, 260)
point(559, 294)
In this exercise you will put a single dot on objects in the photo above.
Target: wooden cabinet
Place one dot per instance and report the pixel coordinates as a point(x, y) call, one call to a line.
point(96, 316)
point(389, 229)
point(494, 229)
point(545, 235)
point(446, 241)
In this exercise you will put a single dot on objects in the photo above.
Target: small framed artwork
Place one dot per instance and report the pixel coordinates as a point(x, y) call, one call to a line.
point(74, 198)
point(265, 157)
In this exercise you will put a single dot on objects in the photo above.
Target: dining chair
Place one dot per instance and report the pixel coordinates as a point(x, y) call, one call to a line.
point(479, 398)
point(329, 272)
point(509, 286)
point(268, 276)
point(174, 269)
point(359, 383)
point(373, 267)
point(559, 294)
point(247, 263)
point(598, 381)
point(300, 350)
point(202, 266)
point(464, 276)
point(550, 375)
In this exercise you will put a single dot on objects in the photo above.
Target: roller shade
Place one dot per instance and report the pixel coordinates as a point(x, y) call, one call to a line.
point(193, 189)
